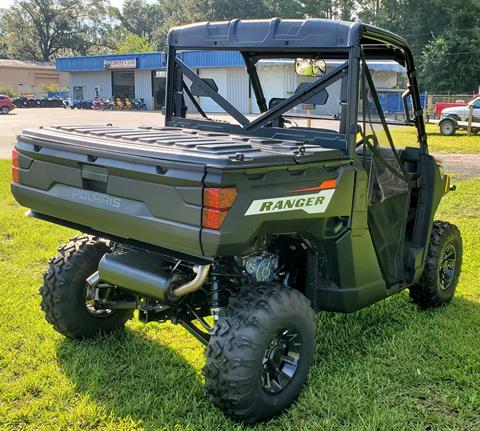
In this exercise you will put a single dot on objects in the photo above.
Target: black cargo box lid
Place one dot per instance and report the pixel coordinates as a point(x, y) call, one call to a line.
point(211, 149)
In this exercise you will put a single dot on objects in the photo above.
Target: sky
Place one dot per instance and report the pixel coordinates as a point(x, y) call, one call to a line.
point(7, 3)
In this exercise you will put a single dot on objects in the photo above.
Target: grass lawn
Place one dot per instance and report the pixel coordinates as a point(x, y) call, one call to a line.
point(458, 143)
point(388, 367)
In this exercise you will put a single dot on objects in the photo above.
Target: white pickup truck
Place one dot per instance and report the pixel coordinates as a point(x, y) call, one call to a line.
point(456, 117)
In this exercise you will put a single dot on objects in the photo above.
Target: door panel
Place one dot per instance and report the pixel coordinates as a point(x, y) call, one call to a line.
point(388, 188)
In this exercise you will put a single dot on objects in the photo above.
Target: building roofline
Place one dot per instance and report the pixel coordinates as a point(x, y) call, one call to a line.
point(21, 64)
point(106, 56)
point(145, 60)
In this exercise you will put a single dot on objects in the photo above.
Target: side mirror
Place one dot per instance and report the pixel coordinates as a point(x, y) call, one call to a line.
point(310, 67)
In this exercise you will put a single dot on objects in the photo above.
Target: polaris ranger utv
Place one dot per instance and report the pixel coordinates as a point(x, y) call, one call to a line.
point(241, 227)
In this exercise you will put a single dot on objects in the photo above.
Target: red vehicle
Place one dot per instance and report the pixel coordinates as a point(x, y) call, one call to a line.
point(6, 104)
point(440, 106)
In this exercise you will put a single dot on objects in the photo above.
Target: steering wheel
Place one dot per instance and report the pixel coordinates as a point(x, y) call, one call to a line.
point(366, 138)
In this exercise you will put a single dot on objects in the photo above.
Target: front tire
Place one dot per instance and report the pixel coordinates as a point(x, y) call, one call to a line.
point(5, 110)
point(439, 281)
point(64, 291)
point(448, 127)
point(260, 353)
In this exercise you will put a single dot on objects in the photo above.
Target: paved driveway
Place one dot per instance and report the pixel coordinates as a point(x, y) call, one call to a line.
point(464, 165)
point(19, 119)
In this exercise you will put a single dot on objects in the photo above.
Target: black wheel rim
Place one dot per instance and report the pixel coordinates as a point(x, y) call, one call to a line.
point(281, 360)
point(446, 272)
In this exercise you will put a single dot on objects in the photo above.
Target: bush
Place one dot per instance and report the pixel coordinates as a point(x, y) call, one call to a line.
point(7, 90)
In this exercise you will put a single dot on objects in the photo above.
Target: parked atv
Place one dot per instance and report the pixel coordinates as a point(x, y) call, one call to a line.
point(98, 104)
point(240, 230)
point(20, 102)
point(108, 105)
point(139, 104)
point(67, 103)
point(119, 104)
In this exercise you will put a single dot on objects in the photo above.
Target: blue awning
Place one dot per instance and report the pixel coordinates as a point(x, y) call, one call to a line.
point(194, 59)
point(149, 61)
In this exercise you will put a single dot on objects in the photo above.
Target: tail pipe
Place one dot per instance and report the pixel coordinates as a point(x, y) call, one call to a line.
point(145, 275)
point(199, 280)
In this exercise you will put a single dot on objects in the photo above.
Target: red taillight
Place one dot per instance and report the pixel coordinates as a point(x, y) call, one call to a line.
point(213, 219)
point(219, 198)
point(216, 203)
point(15, 166)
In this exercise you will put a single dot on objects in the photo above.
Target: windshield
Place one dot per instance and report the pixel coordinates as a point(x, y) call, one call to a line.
point(266, 95)
point(279, 81)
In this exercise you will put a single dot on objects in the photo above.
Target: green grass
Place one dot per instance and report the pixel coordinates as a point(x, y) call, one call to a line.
point(388, 367)
point(458, 143)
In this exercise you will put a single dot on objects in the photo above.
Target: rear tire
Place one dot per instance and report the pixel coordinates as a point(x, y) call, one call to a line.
point(260, 353)
point(439, 281)
point(64, 291)
point(447, 128)
point(5, 110)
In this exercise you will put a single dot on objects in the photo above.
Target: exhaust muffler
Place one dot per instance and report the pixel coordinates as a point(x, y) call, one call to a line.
point(144, 275)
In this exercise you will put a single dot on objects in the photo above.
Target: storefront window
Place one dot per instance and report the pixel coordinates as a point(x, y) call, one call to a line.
point(123, 84)
point(78, 93)
point(158, 87)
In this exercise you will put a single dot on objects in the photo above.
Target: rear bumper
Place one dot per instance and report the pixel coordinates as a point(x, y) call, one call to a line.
point(119, 217)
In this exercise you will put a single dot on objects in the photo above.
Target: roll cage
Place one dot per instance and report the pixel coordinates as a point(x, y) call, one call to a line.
point(355, 43)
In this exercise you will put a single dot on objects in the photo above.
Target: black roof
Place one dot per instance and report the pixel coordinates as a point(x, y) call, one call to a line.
point(278, 33)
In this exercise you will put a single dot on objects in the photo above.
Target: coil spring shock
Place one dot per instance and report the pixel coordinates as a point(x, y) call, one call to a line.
point(217, 295)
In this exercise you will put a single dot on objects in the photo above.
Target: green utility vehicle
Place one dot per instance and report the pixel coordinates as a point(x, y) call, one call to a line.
point(240, 227)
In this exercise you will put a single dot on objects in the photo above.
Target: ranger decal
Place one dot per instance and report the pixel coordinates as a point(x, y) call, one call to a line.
point(312, 203)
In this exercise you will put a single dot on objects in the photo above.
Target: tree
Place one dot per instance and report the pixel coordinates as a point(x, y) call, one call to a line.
point(226, 9)
point(330, 9)
point(41, 29)
point(141, 18)
point(450, 63)
point(134, 43)
point(3, 45)
point(443, 35)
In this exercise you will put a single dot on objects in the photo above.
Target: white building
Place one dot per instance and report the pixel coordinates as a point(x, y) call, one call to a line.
point(142, 76)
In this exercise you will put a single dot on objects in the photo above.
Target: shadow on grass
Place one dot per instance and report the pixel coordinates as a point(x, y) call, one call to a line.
point(135, 377)
point(153, 384)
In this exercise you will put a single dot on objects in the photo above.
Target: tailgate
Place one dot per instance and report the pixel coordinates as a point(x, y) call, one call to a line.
point(142, 198)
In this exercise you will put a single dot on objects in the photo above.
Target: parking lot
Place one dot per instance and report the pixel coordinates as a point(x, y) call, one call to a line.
point(464, 165)
point(19, 119)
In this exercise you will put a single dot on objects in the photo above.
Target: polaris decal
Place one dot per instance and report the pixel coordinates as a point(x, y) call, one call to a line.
point(96, 198)
point(311, 203)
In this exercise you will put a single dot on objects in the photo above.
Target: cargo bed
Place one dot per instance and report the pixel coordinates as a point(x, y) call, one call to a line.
point(144, 184)
point(177, 144)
